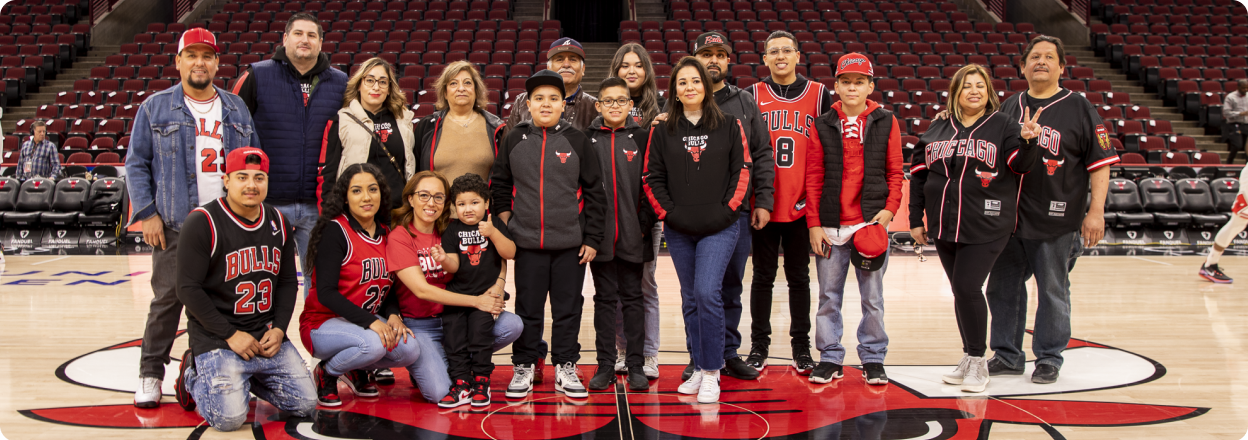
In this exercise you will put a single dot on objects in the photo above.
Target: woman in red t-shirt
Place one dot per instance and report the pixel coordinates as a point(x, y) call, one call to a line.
point(420, 295)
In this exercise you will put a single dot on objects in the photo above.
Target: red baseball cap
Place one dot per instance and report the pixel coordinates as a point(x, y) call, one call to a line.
point(237, 160)
point(195, 36)
point(854, 63)
point(870, 247)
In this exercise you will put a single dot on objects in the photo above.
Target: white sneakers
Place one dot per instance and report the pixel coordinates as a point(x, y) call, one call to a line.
point(651, 367)
point(972, 374)
point(148, 395)
point(955, 377)
point(619, 362)
point(521, 382)
point(568, 381)
point(703, 383)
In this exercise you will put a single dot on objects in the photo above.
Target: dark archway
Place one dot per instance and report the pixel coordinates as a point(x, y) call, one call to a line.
point(589, 21)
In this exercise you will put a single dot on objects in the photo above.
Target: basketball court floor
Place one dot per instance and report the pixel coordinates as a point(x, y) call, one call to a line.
point(1157, 353)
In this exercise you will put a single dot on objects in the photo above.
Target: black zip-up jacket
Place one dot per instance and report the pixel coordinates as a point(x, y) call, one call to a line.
point(550, 180)
point(629, 216)
point(697, 179)
point(429, 128)
point(741, 104)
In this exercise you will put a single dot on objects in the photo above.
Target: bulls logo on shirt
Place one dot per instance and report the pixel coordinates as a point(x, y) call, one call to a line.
point(1102, 137)
point(1051, 165)
point(630, 154)
point(202, 129)
point(985, 177)
point(383, 130)
point(563, 157)
point(695, 145)
point(252, 259)
point(432, 268)
point(307, 90)
point(472, 244)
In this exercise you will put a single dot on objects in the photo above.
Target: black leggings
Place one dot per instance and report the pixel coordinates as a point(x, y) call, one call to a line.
point(967, 266)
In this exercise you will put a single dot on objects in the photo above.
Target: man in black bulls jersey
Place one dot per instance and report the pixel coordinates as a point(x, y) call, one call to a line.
point(236, 276)
point(1052, 226)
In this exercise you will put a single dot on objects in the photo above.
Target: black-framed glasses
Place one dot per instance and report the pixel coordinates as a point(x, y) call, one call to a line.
point(615, 102)
point(424, 197)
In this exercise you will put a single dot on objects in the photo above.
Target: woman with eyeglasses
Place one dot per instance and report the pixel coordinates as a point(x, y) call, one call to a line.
point(459, 137)
point(421, 291)
point(374, 126)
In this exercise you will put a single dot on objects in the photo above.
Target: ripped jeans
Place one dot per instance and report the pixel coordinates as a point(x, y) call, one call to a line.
point(222, 382)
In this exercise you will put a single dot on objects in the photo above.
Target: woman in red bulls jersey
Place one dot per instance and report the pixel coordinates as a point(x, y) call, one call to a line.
point(965, 174)
point(340, 323)
point(421, 294)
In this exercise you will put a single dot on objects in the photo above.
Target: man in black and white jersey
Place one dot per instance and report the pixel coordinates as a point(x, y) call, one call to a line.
point(1054, 224)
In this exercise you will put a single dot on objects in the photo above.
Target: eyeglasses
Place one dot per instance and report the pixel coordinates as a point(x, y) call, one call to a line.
point(370, 82)
point(786, 50)
point(617, 102)
point(424, 197)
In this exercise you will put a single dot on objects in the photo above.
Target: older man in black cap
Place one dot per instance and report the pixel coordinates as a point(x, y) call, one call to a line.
point(567, 58)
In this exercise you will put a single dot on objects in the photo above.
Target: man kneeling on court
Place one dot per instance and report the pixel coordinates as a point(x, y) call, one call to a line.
point(236, 276)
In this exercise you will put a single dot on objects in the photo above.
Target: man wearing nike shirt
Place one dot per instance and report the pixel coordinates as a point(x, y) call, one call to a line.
point(1052, 226)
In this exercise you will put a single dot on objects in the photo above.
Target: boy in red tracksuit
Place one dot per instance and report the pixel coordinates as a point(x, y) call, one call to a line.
point(856, 184)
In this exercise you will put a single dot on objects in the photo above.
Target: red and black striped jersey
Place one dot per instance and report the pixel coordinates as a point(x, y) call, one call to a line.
point(363, 278)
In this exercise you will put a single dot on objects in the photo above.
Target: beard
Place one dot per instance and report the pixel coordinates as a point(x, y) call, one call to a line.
point(716, 75)
point(198, 85)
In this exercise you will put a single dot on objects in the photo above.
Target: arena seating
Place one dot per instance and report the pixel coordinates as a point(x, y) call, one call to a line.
point(38, 39)
point(1190, 52)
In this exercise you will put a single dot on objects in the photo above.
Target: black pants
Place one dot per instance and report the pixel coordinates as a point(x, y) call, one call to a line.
point(1234, 134)
point(967, 266)
point(794, 238)
point(618, 282)
point(558, 273)
point(467, 336)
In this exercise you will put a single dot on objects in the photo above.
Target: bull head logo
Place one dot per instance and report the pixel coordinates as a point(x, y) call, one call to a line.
point(37, 183)
point(384, 135)
point(630, 154)
point(1121, 185)
point(563, 157)
point(696, 152)
point(1052, 165)
point(985, 177)
point(474, 252)
point(73, 183)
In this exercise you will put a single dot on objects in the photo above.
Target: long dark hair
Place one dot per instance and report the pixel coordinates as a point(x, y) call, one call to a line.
point(649, 104)
point(404, 215)
point(335, 203)
point(712, 116)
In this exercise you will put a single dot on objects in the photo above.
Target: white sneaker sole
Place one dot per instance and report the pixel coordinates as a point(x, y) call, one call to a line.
point(800, 371)
point(518, 394)
point(761, 367)
point(969, 388)
point(687, 390)
point(571, 393)
point(874, 381)
point(457, 404)
point(951, 380)
point(817, 379)
point(652, 375)
point(708, 399)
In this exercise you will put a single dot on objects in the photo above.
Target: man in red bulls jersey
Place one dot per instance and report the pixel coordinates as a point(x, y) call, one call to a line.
point(789, 103)
point(341, 322)
point(236, 276)
point(1052, 226)
point(1239, 219)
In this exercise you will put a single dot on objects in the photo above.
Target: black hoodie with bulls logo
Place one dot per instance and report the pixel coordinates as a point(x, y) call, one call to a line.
point(629, 218)
point(697, 178)
point(967, 178)
point(549, 179)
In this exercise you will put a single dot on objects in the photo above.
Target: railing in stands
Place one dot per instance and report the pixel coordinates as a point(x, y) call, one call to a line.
point(101, 7)
point(997, 7)
point(183, 7)
point(1080, 8)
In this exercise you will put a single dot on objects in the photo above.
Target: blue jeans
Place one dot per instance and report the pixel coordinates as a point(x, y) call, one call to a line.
point(429, 372)
point(700, 265)
point(1051, 261)
point(301, 216)
point(830, 326)
point(345, 346)
point(650, 299)
point(221, 384)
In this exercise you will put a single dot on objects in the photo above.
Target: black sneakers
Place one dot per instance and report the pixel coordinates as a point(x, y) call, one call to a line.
point(460, 394)
point(802, 362)
point(602, 378)
point(824, 372)
point(637, 380)
point(758, 357)
point(1044, 374)
point(685, 375)
point(1214, 273)
point(737, 369)
point(873, 372)
point(998, 368)
point(360, 382)
point(326, 386)
point(180, 392)
point(481, 392)
point(383, 376)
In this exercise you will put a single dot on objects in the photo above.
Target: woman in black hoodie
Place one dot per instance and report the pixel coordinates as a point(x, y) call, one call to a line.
point(696, 175)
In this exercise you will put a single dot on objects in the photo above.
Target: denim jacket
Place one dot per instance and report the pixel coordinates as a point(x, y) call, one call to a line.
point(160, 167)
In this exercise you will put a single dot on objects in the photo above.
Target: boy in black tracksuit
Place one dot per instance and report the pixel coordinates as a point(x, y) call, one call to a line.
point(556, 218)
point(620, 143)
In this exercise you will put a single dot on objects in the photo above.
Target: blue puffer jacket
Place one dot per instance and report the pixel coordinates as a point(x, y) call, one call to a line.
point(290, 130)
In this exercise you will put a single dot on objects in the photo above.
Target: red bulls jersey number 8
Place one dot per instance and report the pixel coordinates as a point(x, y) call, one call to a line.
point(790, 123)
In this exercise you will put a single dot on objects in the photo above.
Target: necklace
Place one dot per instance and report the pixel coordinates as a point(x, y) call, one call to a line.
point(461, 122)
point(194, 104)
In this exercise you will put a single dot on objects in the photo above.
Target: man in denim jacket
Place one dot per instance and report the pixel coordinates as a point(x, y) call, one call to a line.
point(177, 148)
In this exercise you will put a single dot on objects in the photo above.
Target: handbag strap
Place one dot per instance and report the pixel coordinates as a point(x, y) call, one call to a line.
point(379, 143)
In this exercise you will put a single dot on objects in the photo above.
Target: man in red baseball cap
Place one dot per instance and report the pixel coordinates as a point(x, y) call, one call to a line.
point(187, 166)
point(853, 190)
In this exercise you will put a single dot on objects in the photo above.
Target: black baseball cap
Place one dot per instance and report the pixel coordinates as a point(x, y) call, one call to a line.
point(711, 39)
point(545, 77)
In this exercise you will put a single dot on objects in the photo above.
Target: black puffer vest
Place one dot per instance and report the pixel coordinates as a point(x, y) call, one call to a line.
point(879, 123)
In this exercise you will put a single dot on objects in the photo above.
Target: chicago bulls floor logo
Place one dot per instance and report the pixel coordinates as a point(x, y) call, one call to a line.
point(1052, 165)
point(563, 157)
point(779, 405)
point(985, 177)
